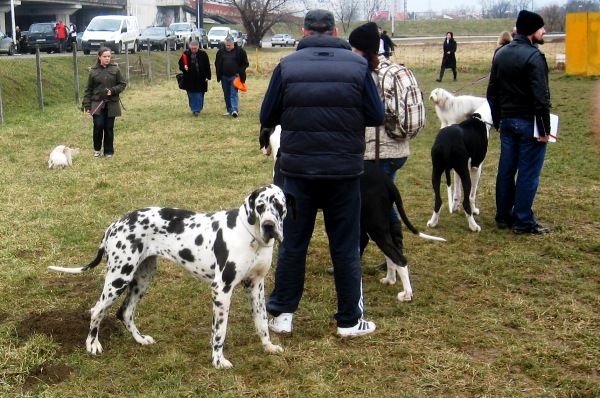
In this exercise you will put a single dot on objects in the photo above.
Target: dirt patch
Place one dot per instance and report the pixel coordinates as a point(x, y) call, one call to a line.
point(3, 316)
point(68, 327)
point(50, 374)
point(28, 254)
point(76, 289)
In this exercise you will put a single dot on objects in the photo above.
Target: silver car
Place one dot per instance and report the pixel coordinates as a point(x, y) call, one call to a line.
point(6, 44)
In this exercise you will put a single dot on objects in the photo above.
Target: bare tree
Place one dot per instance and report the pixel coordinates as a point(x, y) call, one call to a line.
point(583, 6)
point(259, 16)
point(370, 7)
point(554, 18)
point(497, 8)
point(345, 12)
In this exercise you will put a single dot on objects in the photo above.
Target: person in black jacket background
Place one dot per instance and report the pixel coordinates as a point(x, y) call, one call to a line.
point(518, 94)
point(231, 61)
point(196, 73)
point(449, 58)
point(323, 96)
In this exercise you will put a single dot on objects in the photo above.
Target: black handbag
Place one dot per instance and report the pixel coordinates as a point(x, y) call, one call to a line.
point(180, 81)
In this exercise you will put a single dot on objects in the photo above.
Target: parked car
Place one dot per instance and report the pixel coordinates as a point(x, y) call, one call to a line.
point(217, 35)
point(238, 38)
point(202, 37)
point(185, 31)
point(116, 32)
point(158, 37)
point(282, 40)
point(6, 44)
point(42, 34)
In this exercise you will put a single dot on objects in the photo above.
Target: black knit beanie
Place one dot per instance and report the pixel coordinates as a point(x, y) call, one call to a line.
point(365, 38)
point(528, 22)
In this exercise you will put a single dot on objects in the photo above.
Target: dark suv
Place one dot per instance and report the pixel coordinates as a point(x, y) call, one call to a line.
point(43, 35)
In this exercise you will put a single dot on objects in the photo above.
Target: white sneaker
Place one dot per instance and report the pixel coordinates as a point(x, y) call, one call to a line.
point(360, 329)
point(281, 323)
point(227, 114)
point(234, 114)
point(96, 154)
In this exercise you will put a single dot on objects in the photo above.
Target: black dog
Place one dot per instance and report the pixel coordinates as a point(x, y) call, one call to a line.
point(461, 147)
point(378, 197)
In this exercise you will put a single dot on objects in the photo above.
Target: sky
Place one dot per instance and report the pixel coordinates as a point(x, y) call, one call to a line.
point(438, 5)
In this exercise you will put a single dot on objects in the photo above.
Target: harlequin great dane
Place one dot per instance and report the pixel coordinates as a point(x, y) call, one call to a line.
point(223, 248)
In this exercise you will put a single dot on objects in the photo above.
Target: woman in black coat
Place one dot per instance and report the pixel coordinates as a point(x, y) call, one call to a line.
point(196, 74)
point(449, 58)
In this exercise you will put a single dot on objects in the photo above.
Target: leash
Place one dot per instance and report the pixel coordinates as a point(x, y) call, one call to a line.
point(471, 83)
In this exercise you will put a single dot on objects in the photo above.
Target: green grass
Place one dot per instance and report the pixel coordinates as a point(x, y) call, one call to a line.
point(494, 315)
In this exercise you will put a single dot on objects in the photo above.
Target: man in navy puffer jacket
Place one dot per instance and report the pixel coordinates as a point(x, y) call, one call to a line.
point(323, 96)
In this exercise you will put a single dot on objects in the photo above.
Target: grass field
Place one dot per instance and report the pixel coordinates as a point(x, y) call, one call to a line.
point(494, 315)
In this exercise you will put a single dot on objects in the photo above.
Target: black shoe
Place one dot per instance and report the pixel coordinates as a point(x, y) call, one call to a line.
point(196, 114)
point(535, 230)
point(438, 80)
point(503, 225)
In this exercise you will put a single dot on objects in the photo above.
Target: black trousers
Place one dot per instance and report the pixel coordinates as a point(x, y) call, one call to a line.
point(442, 69)
point(104, 132)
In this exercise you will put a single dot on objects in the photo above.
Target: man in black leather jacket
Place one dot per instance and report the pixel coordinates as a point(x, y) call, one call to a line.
point(519, 97)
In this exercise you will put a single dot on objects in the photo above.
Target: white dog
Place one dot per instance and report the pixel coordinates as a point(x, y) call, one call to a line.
point(62, 156)
point(451, 109)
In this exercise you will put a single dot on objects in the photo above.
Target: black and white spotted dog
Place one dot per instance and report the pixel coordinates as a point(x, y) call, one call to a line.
point(224, 248)
point(461, 147)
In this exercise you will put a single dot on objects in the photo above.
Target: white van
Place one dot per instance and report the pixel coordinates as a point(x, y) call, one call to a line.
point(112, 31)
point(217, 35)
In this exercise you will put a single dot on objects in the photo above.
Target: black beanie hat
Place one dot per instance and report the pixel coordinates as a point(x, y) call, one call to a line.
point(365, 38)
point(528, 22)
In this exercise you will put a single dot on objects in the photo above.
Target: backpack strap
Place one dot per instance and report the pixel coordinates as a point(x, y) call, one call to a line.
point(377, 145)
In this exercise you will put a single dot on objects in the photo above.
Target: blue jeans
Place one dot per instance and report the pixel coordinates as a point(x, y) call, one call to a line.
point(230, 93)
point(340, 201)
point(196, 101)
point(389, 167)
point(521, 156)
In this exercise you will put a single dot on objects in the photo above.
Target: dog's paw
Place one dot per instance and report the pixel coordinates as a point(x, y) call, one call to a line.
point(387, 281)
point(475, 210)
point(273, 348)
point(404, 297)
point(433, 221)
point(455, 205)
point(94, 347)
point(222, 363)
point(144, 340)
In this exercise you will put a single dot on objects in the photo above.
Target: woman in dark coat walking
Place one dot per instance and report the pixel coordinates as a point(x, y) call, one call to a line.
point(449, 58)
point(101, 100)
point(196, 73)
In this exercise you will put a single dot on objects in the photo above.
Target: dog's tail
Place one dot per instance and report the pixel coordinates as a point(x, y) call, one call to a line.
point(92, 264)
point(398, 201)
point(449, 191)
point(80, 270)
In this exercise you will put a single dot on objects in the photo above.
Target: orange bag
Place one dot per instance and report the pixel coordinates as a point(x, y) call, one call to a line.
point(237, 83)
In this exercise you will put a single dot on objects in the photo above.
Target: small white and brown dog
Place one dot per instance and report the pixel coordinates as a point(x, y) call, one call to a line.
point(61, 156)
point(453, 109)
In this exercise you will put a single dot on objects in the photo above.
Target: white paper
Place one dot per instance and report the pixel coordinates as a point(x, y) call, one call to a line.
point(554, 122)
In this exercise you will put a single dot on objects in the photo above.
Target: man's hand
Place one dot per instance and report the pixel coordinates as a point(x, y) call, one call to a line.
point(544, 138)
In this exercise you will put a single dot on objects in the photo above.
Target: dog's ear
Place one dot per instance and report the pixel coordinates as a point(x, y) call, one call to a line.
point(477, 116)
point(249, 206)
point(290, 202)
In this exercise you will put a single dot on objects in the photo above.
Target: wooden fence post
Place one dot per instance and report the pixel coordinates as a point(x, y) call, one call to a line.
point(38, 64)
point(76, 75)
